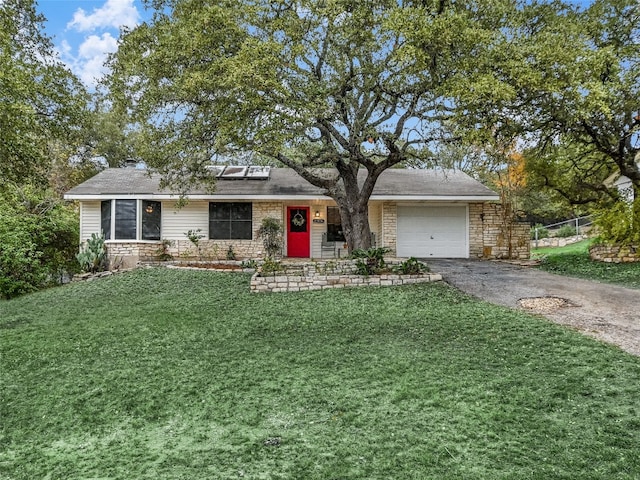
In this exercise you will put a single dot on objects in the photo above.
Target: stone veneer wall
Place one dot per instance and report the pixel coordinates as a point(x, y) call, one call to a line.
point(490, 237)
point(615, 253)
point(331, 274)
point(389, 227)
point(128, 254)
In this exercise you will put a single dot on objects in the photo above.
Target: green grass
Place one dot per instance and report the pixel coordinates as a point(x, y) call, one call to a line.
point(574, 261)
point(166, 374)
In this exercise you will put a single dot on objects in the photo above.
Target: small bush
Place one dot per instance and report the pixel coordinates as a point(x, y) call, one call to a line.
point(231, 255)
point(370, 261)
point(411, 266)
point(270, 267)
point(163, 250)
point(542, 232)
point(271, 234)
point(566, 231)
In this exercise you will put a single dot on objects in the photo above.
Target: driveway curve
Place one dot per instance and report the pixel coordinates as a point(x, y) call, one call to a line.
point(607, 312)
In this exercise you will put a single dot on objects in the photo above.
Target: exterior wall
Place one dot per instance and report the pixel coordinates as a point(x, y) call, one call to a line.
point(476, 230)
point(488, 236)
point(499, 239)
point(177, 221)
point(389, 227)
point(89, 220)
point(375, 221)
point(615, 253)
point(198, 214)
point(128, 254)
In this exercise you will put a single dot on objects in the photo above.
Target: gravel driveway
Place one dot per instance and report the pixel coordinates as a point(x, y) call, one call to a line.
point(607, 312)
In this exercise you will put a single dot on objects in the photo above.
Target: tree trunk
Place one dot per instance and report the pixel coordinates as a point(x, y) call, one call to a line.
point(353, 202)
point(355, 224)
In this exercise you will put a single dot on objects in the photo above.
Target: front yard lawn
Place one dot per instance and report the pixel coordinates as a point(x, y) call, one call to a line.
point(167, 374)
point(574, 261)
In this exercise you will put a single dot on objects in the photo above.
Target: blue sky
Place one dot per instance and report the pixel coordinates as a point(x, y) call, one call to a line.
point(86, 31)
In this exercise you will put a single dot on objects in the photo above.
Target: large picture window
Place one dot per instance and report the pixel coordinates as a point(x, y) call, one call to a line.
point(230, 221)
point(334, 225)
point(131, 219)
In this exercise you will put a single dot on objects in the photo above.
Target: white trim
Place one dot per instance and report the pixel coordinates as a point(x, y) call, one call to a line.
point(297, 198)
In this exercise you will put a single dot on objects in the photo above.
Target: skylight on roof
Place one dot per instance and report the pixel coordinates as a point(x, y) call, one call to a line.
point(256, 171)
point(234, 172)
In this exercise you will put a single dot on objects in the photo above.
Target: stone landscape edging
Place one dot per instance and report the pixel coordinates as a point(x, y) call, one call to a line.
point(323, 275)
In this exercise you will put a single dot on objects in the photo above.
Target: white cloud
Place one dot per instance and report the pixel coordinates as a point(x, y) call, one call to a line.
point(88, 64)
point(87, 59)
point(113, 14)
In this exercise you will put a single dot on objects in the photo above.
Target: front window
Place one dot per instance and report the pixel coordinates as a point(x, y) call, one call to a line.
point(131, 219)
point(230, 221)
point(334, 225)
point(151, 214)
point(125, 220)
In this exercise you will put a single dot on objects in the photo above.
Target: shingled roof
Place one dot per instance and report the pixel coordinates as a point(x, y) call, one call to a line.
point(284, 183)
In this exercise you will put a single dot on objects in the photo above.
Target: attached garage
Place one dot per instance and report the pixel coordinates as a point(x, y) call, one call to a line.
point(433, 231)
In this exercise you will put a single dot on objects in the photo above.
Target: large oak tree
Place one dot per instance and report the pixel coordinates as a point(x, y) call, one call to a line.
point(576, 101)
point(357, 86)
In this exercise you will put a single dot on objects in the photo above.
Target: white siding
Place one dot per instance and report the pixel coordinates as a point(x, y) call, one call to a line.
point(89, 219)
point(177, 221)
point(375, 221)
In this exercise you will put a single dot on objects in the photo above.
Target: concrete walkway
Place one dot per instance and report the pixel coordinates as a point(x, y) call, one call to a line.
point(607, 312)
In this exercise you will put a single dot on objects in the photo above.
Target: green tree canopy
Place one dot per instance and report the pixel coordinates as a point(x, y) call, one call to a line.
point(352, 85)
point(576, 91)
point(40, 100)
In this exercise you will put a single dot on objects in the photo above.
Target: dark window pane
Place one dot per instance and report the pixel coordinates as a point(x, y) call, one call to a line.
point(219, 211)
point(151, 214)
point(298, 221)
point(240, 211)
point(334, 225)
point(126, 219)
point(219, 229)
point(230, 221)
point(241, 230)
point(105, 218)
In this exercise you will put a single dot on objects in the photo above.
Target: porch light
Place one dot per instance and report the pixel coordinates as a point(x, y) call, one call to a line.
point(149, 208)
point(317, 213)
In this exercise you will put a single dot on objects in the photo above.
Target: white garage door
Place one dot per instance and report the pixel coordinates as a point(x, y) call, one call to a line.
point(438, 232)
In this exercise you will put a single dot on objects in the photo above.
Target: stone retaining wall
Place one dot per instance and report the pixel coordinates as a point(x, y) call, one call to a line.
point(556, 241)
point(331, 274)
point(615, 253)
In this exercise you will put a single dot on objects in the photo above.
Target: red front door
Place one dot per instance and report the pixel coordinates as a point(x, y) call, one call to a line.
point(298, 232)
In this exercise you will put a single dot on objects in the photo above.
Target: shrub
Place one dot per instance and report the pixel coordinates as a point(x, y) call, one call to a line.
point(163, 250)
point(616, 225)
point(542, 232)
point(270, 266)
point(194, 237)
point(411, 266)
point(370, 261)
point(93, 257)
point(38, 240)
point(271, 234)
point(566, 231)
point(231, 255)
